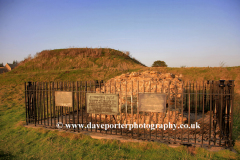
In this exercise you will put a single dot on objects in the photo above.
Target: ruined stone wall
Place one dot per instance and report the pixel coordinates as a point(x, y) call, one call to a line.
point(147, 81)
point(130, 84)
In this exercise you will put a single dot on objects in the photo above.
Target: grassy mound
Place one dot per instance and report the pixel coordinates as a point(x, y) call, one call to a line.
point(76, 58)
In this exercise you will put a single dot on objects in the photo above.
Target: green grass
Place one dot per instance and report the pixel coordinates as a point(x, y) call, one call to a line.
point(19, 142)
point(31, 143)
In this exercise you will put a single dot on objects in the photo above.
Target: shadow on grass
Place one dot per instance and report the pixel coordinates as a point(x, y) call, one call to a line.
point(4, 155)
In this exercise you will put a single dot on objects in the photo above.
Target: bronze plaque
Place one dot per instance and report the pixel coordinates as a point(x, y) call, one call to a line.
point(63, 98)
point(152, 102)
point(101, 103)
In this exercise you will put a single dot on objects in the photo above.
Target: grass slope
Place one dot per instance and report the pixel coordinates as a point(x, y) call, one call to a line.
point(18, 142)
point(76, 58)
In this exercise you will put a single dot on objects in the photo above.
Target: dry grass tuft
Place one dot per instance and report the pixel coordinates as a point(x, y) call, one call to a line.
point(237, 146)
point(65, 134)
point(192, 150)
point(20, 124)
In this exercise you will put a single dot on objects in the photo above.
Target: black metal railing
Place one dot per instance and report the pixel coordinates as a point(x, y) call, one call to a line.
point(208, 103)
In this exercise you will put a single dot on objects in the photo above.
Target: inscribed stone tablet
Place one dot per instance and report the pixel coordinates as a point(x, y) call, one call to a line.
point(100, 103)
point(152, 102)
point(63, 98)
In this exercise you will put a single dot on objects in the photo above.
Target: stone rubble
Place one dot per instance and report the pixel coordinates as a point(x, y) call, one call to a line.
point(130, 84)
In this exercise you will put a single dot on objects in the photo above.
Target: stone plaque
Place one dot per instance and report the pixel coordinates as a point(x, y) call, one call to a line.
point(152, 102)
point(63, 98)
point(101, 103)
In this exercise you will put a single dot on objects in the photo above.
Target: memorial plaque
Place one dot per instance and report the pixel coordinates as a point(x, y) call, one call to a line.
point(152, 102)
point(63, 98)
point(101, 103)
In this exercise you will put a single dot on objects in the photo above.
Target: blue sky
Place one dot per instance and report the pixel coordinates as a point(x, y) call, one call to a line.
point(193, 33)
